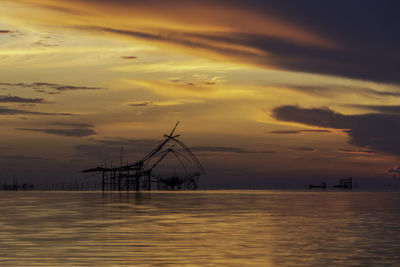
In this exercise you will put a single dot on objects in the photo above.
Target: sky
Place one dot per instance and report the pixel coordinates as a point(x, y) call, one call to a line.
point(269, 94)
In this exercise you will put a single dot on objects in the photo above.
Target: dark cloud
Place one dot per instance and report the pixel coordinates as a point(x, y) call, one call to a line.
point(136, 143)
point(27, 105)
point(306, 149)
point(47, 92)
point(74, 132)
point(322, 117)
point(8, 111)
point(286, 132)
point(334, 90)
point(78, 125)
point(42, 87)
point(22, 158)
point(358, 151)
point(180, 81)
point(364, 38)
point(380, 108)
point(143, 35)
point(229, 150)
point(110, 148)
point(200, 83)
point(300, 131)
point(315, 131)
point(365, 34)
point(69, 88)
point(180, 38)
point(144, 104)
point(17, 99)
point(376, 131)
point(68, 129)
point(129, 57)
point(5, 31)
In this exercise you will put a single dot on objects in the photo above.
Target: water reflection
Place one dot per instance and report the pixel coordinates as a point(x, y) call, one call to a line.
point(232, 228)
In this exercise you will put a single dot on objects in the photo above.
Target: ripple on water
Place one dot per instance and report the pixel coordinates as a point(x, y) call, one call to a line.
point(232, 228)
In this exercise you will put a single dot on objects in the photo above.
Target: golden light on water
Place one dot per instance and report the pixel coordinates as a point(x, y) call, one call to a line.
point(231, 228)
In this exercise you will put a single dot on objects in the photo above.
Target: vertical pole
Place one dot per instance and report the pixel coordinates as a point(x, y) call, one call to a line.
point(111, 177)
point(120, 174)
point(149, 182)
point(127, 179)
point(102, 182)
point(121, 155)
point(119, 180)
point(137, 182)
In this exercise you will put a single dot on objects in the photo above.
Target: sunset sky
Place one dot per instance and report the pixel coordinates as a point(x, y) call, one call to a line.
point(268, 93)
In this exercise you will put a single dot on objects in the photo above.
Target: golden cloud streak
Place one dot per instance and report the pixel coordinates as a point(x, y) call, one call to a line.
point(191, 25)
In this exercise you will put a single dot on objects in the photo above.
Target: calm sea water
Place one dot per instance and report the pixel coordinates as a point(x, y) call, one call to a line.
point(202, 228)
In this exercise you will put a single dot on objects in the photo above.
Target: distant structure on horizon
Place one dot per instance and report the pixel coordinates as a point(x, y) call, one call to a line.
point(139, 175)
point(15, 186)
point(346, 183)
point(323, 186)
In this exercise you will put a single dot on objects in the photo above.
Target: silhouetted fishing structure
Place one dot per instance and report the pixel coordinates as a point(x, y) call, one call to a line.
point(15, 186)
point(140, 176)
point(323, 186)
point(346, 183)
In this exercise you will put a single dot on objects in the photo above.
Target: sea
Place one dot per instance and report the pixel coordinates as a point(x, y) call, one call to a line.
point(199, 228)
